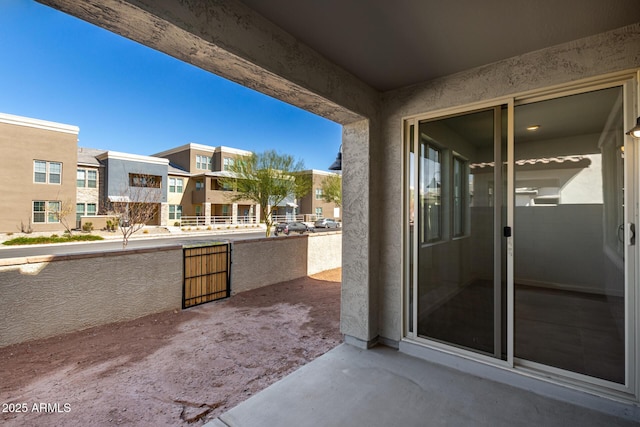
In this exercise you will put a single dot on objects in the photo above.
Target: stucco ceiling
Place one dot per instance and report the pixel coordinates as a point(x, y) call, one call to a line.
point(390, 44)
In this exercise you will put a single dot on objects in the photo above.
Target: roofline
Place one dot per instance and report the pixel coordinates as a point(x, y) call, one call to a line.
point(202, 147)
point(132, 157)
point(319, 172)
point(10, 119)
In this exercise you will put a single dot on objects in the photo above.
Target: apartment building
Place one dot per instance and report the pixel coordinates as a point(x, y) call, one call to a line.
point(313, 203)
point(89, 184)
point(203, 194)
point(38, 164)
point(40, 160)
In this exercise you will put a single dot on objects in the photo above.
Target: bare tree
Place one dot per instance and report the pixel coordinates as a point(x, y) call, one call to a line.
point(65, 215)
point(136, 205)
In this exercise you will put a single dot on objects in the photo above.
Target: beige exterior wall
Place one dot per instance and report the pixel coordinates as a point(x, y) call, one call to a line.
point(309, 203)
point(22, 141)
point(324, 252)
point(263, 262)
point(48, 296)
point(178, 198)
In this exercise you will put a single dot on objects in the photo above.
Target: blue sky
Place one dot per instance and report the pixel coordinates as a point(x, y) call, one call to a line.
point(127, 97)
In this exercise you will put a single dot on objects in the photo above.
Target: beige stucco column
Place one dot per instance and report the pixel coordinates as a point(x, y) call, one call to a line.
point(359, 305)
point(207, 213)
point(256, 212)
point(234, 213)
point(164, 214)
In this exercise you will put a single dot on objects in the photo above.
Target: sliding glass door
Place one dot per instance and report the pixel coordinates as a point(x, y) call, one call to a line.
point(570, 227)
point(520, 241)
point(461, 287)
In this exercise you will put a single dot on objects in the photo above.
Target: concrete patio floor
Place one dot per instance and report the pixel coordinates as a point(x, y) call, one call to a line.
point(348, 386)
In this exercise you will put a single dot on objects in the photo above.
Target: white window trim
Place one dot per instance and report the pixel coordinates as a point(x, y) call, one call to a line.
point(47, 172)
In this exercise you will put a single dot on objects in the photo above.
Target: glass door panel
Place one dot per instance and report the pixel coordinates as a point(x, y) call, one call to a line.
point(460, 281)
point(569, 234)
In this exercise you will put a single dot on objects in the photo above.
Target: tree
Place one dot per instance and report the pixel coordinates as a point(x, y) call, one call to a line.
point(267, 179)
point(332, 189)
point(64, 215)
point(136, 205)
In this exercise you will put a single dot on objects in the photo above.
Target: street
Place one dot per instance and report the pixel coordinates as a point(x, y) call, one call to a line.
point(116, 244)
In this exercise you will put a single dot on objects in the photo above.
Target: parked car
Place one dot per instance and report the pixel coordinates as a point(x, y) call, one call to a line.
point(288, 227)
point(327, 223)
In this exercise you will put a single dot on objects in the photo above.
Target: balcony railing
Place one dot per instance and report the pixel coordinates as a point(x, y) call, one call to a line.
point(195, 221)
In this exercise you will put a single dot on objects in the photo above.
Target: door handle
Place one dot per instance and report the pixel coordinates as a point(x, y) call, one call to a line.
point(630, 232)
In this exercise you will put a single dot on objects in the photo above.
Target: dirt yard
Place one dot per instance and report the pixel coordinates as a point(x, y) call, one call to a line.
point(173, 368)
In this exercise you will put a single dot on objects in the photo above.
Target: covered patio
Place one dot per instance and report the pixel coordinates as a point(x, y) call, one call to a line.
point(381, 387)
point(387, 72)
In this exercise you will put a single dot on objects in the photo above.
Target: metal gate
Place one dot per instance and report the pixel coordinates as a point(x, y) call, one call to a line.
point(207, 273)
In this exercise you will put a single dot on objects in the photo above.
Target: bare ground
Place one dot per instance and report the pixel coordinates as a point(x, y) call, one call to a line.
point(172, 368)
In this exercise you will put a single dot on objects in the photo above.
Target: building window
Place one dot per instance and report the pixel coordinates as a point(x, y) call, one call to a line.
point(175, 185)
point(81, 178)
point(87, 178)
point(39, 211)
point(227, 163)
point(79, 212)
point(85, 209)
point(47, 172)
point(92, 179)
point(198, 210)
point(203, 162)
point(146, 181)
point(175, 212)
point(199, 185)
point(319, 212)
point(318, 193)
point(46, 211)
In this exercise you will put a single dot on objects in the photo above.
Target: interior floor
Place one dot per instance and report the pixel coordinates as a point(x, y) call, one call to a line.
point(574, 331)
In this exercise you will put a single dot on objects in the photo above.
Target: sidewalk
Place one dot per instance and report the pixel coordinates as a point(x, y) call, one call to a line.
point(348, 386)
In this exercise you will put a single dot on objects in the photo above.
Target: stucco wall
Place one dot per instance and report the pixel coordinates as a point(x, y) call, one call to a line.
point(609, 52)
point(52, 295)
point(325, 252)
point(263, 262)
point(48, 296)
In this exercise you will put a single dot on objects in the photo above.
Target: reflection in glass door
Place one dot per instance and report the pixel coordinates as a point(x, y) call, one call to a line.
point(569, 234)
point(461, 288)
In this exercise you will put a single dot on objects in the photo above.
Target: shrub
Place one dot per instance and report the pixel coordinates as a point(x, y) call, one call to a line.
point(87, 226)
point(145, 231)
point(176, 224)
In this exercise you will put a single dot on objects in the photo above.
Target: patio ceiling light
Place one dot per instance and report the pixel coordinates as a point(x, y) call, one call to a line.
point(635, 132)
